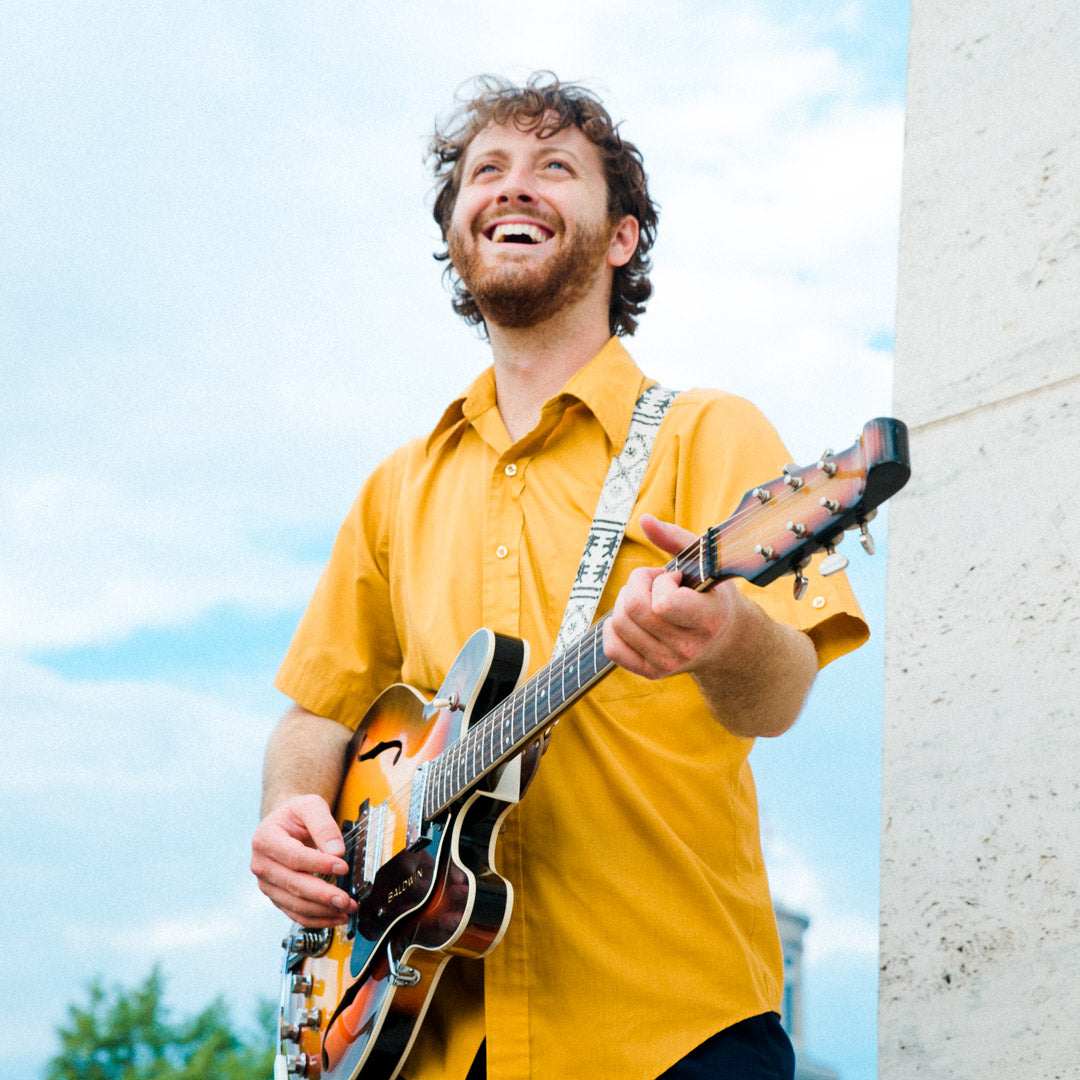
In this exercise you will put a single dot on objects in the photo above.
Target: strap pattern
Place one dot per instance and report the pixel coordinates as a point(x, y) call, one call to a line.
point(617, 500)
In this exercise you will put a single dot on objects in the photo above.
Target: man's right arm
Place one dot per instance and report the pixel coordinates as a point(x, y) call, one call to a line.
point(298, 838)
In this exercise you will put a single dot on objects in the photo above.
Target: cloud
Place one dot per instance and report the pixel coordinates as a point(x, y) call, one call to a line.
point(222, 258)
point(218, 310)
point(107, 745)
point(219, 926)
point(132, 805)
point(833, 932)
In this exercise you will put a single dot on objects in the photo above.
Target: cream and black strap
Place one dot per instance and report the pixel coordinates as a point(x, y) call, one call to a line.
point(617, 499)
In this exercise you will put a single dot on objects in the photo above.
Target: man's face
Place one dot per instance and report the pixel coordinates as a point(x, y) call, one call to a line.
point(530, 232)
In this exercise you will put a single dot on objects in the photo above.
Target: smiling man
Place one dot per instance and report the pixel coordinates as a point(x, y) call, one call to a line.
point(548, 247)
point(640, 941)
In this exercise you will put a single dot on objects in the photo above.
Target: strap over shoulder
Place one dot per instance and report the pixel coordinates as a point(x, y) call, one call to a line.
point(617, 500)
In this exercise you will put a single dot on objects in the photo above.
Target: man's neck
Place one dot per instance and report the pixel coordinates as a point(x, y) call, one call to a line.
point(532, 365)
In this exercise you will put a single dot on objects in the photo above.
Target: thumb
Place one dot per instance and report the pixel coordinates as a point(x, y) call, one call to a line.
point(319, 822)
point(666, 536)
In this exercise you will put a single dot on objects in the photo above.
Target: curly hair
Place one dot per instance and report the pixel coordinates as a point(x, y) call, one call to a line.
point(546, 106)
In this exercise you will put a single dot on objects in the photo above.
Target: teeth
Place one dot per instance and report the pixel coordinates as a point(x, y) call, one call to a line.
point(535, 234)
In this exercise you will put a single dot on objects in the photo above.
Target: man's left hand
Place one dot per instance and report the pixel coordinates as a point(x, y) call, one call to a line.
point(754, 673)
point(658, 628)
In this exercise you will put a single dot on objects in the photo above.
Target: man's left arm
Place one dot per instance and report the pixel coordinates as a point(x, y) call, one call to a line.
point(753, 672)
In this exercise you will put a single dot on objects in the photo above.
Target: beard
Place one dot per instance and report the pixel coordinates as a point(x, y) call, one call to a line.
point(516, 294)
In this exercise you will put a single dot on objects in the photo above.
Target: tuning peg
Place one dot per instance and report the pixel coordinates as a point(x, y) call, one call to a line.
point(800, 585)
point(833, 563)
point(866, 539)
point(791, 477)
point(801, 581)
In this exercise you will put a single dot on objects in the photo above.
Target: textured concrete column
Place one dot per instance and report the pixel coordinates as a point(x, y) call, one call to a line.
point(981, 783)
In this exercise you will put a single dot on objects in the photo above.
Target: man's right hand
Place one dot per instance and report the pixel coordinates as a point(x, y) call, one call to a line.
point(294, 844)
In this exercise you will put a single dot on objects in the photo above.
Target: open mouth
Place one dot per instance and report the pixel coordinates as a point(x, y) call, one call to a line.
point(518, 232)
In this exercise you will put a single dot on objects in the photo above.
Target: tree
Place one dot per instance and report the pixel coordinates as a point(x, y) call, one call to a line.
point(127, 1035)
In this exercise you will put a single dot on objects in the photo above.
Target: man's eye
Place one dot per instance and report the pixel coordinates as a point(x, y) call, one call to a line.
point(557, 165)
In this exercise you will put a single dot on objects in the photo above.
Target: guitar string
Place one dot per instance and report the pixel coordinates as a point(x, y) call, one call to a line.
point(468, 750)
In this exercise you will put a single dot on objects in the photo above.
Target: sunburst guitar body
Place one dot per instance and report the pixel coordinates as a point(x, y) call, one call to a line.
point(353, 998)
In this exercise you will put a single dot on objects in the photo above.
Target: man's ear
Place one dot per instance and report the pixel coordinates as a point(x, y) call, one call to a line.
point(624, 241)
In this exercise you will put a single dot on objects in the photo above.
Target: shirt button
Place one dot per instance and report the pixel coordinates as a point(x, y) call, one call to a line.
point(818, 602)
point(511, 469)
point(501, 552)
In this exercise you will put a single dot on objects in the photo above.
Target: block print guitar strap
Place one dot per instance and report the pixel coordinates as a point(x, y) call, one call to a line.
point(617, 499)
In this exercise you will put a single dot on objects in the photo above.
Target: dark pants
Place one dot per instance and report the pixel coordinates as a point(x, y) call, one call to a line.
point(756, 1049)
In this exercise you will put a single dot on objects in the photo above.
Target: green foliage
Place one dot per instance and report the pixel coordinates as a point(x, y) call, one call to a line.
point(127, 1035)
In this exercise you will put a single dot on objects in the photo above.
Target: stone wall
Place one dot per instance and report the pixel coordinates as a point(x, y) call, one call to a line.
point(981, 774)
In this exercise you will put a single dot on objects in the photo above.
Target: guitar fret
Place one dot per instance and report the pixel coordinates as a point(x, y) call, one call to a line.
point(463, 759)
point(530, 709)
point(542, 701)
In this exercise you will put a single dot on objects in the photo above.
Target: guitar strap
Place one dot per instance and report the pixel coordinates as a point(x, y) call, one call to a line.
point(617, 499)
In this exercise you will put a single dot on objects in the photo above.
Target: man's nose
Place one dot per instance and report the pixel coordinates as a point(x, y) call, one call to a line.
point(518, 186)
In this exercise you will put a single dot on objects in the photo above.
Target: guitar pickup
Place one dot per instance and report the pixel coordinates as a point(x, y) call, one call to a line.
point(417, 831)
point(356, 881)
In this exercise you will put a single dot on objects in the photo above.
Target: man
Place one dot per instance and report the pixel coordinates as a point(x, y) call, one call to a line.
point(641, 941)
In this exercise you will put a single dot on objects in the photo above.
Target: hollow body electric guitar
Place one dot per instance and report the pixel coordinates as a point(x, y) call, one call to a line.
point(427, 783)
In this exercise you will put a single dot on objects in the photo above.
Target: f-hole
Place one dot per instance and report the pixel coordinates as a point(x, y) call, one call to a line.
point(379, 748)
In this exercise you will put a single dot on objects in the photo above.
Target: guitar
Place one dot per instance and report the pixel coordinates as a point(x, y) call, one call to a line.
point(428, 783)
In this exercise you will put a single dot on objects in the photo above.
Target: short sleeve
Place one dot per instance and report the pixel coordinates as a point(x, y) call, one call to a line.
point(346, 648)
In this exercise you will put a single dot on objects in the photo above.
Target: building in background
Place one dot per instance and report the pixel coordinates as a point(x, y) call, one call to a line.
point(792, 927)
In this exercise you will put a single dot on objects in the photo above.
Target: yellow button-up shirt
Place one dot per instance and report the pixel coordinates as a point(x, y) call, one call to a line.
point(642, 922)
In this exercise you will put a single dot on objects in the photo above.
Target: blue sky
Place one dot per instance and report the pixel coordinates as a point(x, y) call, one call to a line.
point(218, 310)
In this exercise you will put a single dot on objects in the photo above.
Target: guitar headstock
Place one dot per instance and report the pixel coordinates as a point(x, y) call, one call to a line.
point(780, 525)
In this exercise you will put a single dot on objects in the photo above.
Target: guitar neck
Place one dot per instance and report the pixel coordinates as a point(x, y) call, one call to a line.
point(774, 531)
point(523, 715)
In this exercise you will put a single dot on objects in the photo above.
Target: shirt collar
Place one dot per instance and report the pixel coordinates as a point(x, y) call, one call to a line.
point(608, 385)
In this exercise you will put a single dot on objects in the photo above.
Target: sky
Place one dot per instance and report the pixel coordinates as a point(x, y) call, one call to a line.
point(219, 310)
